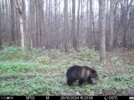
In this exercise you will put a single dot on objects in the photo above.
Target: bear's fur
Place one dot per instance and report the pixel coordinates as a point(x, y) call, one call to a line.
point(80, 73)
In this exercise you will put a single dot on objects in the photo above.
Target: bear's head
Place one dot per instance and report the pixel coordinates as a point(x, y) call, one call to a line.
point(93, 72)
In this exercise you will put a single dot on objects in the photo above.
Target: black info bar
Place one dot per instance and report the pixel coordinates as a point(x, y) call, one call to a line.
point(66, 97)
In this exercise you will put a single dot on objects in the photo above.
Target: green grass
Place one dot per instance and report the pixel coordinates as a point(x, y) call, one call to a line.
point(38, 72)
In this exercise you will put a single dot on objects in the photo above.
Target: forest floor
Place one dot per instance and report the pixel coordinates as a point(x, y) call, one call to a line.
point(42, 72)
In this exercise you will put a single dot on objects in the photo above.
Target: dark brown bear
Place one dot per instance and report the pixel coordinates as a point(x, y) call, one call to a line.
point(80, 73)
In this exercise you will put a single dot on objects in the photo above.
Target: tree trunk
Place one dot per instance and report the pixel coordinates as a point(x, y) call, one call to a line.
point(32, 23)
point(87, 34)
point(0, 30)
point(41, 23)
point(37, 24)
point(111, 25)
point(8, 15)
point(102, 29)
point(91, 25)
point(12, 24)
point(78, 26)
point(17, 28)
point(18, 7)
point(24, 15)
point(65, 35)
point(55, 2)
point(73, 24)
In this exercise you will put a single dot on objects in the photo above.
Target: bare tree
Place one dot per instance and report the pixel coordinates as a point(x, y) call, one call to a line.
point(55, 10)
point(41, 23)
point(112, 2)
point(78, 25)
point(12, 23)
point(90, 20)
point(102, 29)
point(37, 24)
point(87, 35)
point(24, 14)
point(46, 24)
point(73, 25)
point(17, 28)
point(0, 30)
point(91, 25)
point(65, 35)
point(125, 19)
point(32, 29)
point(8, 17)
point(19, 9)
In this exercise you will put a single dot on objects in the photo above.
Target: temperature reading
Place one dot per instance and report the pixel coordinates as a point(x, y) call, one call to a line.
point(111, 98)
point(131, 98)
point(47, 97)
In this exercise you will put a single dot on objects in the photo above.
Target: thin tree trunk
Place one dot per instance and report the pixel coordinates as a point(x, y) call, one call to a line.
point(102, 29)
point(91, 26)
point(47, 27)
point(41, 19)
point(78, 26)
point(111, 25)
point(87, 35)
point(24, 15)
point(55, 10)
point(65, 39)
point(18, 7)
point(31, 23)
point(37, 24)
point(49, 41)
point(73, 24)
point(0, 29)
point(7, 3)
point(94, 34)
point(17, 28)
point(12, 24)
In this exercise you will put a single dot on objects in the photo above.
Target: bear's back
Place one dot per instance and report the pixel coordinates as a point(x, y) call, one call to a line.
point(74, 71)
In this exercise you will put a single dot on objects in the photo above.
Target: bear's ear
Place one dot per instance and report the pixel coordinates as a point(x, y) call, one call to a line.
point(93, 71)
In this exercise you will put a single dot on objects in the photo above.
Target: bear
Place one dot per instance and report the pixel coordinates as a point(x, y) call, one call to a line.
point(80, 73)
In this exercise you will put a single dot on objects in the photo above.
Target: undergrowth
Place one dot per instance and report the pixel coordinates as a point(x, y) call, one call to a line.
point(42, 72)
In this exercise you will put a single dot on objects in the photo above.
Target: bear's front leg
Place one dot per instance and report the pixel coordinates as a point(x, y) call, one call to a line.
point(90, 80)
